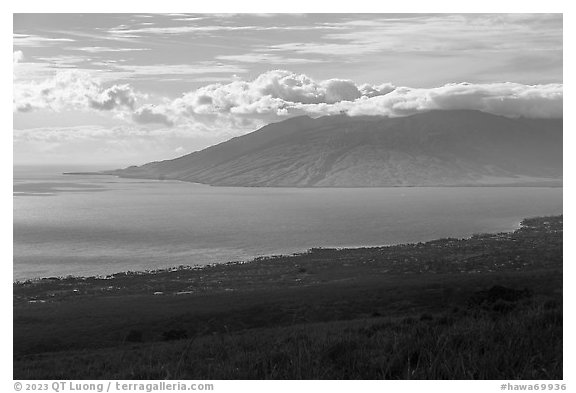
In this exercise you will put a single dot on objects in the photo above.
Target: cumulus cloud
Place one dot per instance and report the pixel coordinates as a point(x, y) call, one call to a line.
point(506, 99)
point(277, 94)
point(113, 97)
point(150, 114)
point(71, 90)
point(17, 56)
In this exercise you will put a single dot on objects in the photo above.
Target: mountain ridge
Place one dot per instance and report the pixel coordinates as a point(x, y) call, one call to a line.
point(435, 148)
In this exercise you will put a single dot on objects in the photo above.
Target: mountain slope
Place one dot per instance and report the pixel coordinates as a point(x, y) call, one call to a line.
point(433, 148)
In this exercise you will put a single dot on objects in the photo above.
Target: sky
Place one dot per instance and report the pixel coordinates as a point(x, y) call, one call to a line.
point(126, 89)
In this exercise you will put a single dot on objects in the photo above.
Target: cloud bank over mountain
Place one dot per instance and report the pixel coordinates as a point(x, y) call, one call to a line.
point(278, 94)
point(506, 99)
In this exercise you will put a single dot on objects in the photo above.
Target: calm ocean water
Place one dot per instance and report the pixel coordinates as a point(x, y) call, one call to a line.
point(86, 225)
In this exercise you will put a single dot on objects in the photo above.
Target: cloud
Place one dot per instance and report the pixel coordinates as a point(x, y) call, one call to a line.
point(431, 33)
point(103, 49)
point(114, 97)
point(28, 40)
point(267, 58)
point(275, 95)
point(126, 31)
point(63, 61)
point(190, 19)
point(278, 94)
point(43, 68)
point(71, 90)
point(110, 145)
point(271, 92)
point(150, 114)
point(17, 56)
point(207, 67)
point(506, 99)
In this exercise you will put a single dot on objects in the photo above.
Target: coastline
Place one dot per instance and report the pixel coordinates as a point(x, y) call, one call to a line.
point(536, 183)
point(350, 248)
point(326, 307)
point(439, 256)
point(386, 223)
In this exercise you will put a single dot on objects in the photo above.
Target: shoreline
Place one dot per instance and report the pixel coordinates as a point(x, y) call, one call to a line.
point(382, 232)
point(518, 226)
point(172, 268)
point(334, 306)
point(544, 183)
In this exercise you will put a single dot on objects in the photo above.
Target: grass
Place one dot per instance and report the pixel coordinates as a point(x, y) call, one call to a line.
point(424, 311)
point(522, 343)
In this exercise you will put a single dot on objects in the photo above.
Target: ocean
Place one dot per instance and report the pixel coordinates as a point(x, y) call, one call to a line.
point(94, 225)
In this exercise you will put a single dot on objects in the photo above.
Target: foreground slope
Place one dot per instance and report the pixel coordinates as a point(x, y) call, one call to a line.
point(486, 307)
point(435, 148)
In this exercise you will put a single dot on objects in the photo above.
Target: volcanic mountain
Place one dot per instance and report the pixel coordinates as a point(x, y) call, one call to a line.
point(436, 148)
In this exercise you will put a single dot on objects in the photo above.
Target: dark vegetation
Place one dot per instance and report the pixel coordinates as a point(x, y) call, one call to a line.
point(487, 307)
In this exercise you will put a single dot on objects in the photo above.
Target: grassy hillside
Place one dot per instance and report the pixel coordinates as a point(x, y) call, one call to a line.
point(485, 307)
